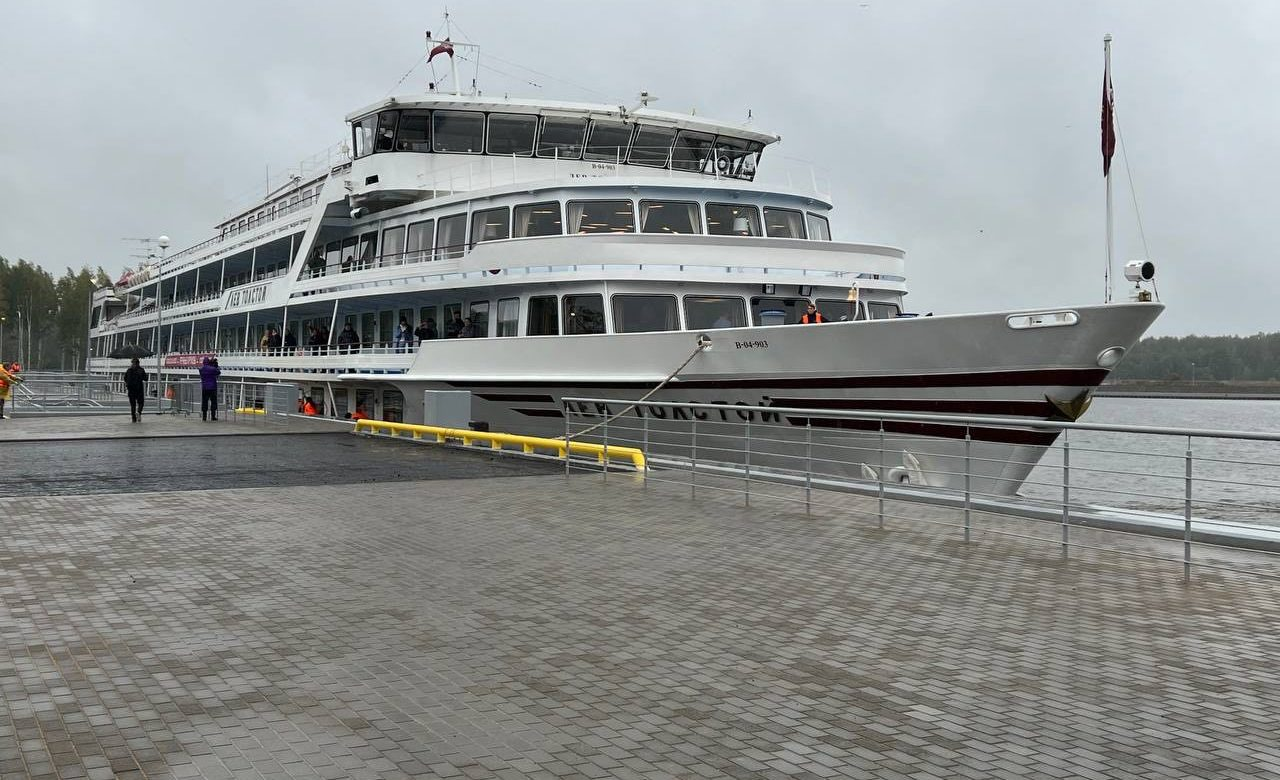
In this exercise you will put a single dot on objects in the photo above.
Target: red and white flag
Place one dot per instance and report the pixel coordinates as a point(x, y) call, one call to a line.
point(1108, 124)
point(444, 48)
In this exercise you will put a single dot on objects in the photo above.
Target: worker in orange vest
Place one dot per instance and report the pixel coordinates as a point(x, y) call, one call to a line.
point(359, 414)
point(309, 408)
point(812, 315)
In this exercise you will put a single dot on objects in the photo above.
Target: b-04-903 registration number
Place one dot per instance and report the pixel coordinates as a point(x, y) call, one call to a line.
point(751, 344)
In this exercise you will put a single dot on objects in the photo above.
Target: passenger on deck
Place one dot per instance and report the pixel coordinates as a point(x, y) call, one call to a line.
point(309, 407)
point(452, 330)
point(290, 340)
point(403, 338)
point(426, 331)
point(469, 330)
point(348, 339)
point(346, 264)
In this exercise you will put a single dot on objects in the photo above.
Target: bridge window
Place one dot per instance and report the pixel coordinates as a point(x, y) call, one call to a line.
point(737, 158)
point(538, 219)
point(542, 316)
point(562, 138)
point(418, 245)
point(368, 249)
point(836, 309)
point(609, 141)
point(658, 216)
point(512, 134)
point(652, 146)
point(883, 311)
point(583, 314)
point(490, 225)
point(819, 228)
point(362, 136)
point(479, 314)
point(692, 151)
point(385, 139)
point(415, 131)
point(704, 312)
point(783, 223)
point(451, 238)
point(728, 219)
point(601, 216)
point(458, 131)
point(644, 313)
point(777, 311)
point(508, 317)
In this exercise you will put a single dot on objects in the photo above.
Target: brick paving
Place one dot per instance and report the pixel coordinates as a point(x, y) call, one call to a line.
point(541, 627)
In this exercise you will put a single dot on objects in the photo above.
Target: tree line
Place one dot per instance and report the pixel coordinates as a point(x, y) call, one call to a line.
point(1204, 358)
point(44, 322)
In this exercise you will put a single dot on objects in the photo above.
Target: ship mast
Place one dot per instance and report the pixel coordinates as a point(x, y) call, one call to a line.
point(446, 46)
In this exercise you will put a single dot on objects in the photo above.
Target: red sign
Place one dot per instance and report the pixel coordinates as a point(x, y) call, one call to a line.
point(185, 361)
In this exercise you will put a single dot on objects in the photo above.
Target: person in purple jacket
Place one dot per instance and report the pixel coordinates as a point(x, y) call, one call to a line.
point(209, 372)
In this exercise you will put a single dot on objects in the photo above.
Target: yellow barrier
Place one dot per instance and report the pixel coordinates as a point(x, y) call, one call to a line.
point(249, 410)
point(496, 440)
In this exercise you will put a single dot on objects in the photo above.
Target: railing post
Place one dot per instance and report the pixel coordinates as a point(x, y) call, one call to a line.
point(747, 493)
point(566, 436)
point(880, 490)
point(1186, 520)
point(644, 447)
point(605, 454)
point(967, 473)
point(1066, 491)
point(693, 455)
point(808, 466)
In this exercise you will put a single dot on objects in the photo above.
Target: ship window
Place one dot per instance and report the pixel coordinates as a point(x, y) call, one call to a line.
point(458, 131)
point(427, 316)
point(783, 223)
point(665, 216)
point(393, 246)
point(882, 311)
point(385, 140)
point(362, 136)
point(508, 317)
point(777, 311)
point(727, 219)
point(368, 249)
point(583, 314)
point(652, 146)
point(415, 132)
point(537, 219)
point(692, 151)
point(490, 225)
point(841, 311)
point(348, 254)
point(512, 134)
point(479, 313)
point(819, 228)
point(452, 320)
point(737, 158)
point(451, 238)
point(562, 138)
point(608, 141)
point(418, 245)
point(332, 254)
point(703, 312)
point(601, 216)
point(644, 313)
point(542, 316)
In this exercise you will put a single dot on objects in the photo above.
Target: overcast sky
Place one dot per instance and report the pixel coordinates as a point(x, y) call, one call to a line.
point(966, 133)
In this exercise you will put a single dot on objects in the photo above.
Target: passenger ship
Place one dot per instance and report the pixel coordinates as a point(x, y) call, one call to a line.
point(592, 247)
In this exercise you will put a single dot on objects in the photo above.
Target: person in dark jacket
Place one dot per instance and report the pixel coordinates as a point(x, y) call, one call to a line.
point(135, 382)
point(348, 339)
point(290, 340)
point(209, 373)
point(426, 330)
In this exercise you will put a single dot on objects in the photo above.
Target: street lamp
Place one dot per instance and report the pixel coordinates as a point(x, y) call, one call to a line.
point(1193, 373)
point(163, 241)
point(1, 336)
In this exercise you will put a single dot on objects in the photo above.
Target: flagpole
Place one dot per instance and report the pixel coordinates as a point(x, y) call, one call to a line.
point(1106, 48)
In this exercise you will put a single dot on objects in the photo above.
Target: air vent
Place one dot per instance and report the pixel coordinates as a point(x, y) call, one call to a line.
point(371, 180)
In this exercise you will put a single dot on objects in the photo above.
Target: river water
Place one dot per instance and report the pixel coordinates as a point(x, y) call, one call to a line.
point(1231, 479)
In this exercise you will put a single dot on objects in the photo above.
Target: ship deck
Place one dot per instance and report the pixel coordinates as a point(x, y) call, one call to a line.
point(373, 621)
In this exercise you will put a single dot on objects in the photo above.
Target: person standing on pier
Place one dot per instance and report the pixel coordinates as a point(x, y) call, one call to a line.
point(135, 382)
point(7, 380)
point(209, 373)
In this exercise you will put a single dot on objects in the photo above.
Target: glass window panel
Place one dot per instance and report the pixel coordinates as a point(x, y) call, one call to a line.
point(601, 216)
point(367, 249)
point(362, 136)
point(385, 139)
point(608, 141)
point(652, 146)
point(583, 314)
point(415, 131)
point(692, 151)
point(882, 311)
point(451, 238)
point(841, 310)
point(393, 246)
point(418, 245)
point(777, 311)
point(728, 219)
point(537, 219)
point(512, 134)
point(458, 131)
point(783, 223)
point(348, 262)
point(508, 317)
point(704, 312)
point(543, 319)
point(452, 320)
point(668, 216)
point(644, 313)
point(737, 158)
point(478, 313)
point(490, 225)
point(562, 138)
point(819, 228)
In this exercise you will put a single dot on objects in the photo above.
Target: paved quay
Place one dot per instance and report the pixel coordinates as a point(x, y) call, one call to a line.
point(538, 626)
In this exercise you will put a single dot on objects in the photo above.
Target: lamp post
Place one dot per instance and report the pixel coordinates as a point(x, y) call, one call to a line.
point(20, 338)
point(1193, 373)
point(163, 241)
point(1, 337)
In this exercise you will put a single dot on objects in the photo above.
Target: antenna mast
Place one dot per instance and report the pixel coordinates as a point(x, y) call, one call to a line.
point(447, 46)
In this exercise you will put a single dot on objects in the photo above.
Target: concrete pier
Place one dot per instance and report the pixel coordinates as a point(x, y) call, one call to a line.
point(525, 624)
